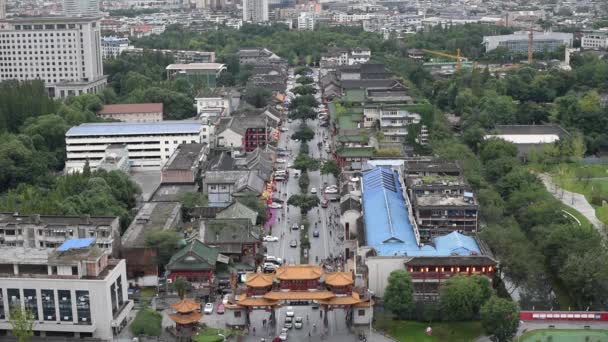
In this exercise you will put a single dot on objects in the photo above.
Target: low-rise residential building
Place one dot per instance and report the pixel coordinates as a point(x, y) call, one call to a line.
point(518, 42)
point(132, 112)
point(73, 291)
point(394, 119)
point(112, 47)
point(227, 100)
point(307, 20)
point(149, 144)
point(207, 73)
point(595, 40)
point(184, 166)
point(179, 56)
point(49, 231)
point(257, 56)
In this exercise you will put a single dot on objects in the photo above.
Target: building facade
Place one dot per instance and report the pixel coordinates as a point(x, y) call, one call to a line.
point(150, 145)
point(518, 42)
point(81, 8)
point(133, 112)
point(206, 73)
point(46, 231)
point(307, 20)
point(394, 120)
point(112, 47)
point(72, 292)
point(65, 53)
point(255, 11)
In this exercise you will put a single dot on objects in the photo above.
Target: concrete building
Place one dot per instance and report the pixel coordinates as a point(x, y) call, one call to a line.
point(133, 112)
point(255, 11)
point(207, 73)
point(116, 158)
point(257, 56)
point(65, 53)
point(149, 144)
point(227, 100)
point(180, 56)
point(307, 21)
point(112, 47)
point(81, 8)
point(48, 231)
point(184, 165)
point(595, 40)
point(528, 137)
point(2, 9)
point(394, 120)
point(359, 56)
point(391, 240)
point(74, 291)
point(518, 42)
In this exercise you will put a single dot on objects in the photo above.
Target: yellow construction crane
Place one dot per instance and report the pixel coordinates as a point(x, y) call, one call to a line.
point(459, 59)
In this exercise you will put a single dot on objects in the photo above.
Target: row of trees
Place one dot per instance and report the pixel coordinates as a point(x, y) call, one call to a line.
point(461, 298)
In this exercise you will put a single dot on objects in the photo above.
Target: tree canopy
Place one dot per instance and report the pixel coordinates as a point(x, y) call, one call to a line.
point(399, 294)
point(500, 319)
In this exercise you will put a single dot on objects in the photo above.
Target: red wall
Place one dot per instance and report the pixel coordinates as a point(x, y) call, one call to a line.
point(563, 316)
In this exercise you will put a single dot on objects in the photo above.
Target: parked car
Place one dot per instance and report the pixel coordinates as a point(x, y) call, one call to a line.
point(270, 238)
point(288, 322)
point(295, 226)
point(284, 129)
point(331, 190)
point(220, 309)
point(226, 298)
point(208, 308)
point(298, 323)
point(293, 244)
point(315, 233)
point(324, 203)
point(275, 205)
point(315, 305)
point(290, 312)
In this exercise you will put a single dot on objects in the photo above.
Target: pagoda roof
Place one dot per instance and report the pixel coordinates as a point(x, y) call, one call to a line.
point(338, 278)
point(185, 306)
point(190, 318)
point(299, 272)
point(365, 304)
point(259, 279)
point(343, 300)
point(299, 295)
point(256, 301)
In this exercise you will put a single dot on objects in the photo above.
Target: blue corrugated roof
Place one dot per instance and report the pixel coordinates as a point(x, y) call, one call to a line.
point(388, 228)
point(135, 128)
point(75, 244)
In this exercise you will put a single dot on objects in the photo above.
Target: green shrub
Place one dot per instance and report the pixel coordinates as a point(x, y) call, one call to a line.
point(147, 323)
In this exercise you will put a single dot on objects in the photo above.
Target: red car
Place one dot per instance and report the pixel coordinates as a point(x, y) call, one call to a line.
point(324, 203)
point(220, 309)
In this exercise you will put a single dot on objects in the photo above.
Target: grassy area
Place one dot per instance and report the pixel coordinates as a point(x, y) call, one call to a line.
point(583, 220)
point(412, 331)
point(211, 335)
point(147, 323)
point(552, 335)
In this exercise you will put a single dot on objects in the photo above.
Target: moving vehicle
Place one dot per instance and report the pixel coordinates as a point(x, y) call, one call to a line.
point(226, 298)
point(208, 308)
point(298, 323)
point(324, 203)
point(315, 233)
point(220, 309)
point(313, 191)
point(332, 189)
point(290, 312)
point(293, 244)
point(283, 335)
point(315, 305)
point(295, 226)
point(281, 161)
point(270, 238)
point(284, 129)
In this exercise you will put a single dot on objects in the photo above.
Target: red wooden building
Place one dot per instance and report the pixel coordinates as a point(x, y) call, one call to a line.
point(196, 262)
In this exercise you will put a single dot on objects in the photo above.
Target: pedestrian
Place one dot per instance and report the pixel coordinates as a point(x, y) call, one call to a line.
point(321, 313)
point(253, 331)
point(264, 322)
point(306, 317)
point(279, 220)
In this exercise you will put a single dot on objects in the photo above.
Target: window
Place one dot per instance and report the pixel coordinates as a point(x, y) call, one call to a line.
point(74, 270)
point(2, 312)
point(119, 291)
point(237, 313)
point(48, 305)
point(31, 302)
point(14, 297)
point(65, 305)
point(83, 307)
point(113, 297)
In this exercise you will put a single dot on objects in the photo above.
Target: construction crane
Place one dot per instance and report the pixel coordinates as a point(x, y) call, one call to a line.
point(530, 46)
point(459, 59)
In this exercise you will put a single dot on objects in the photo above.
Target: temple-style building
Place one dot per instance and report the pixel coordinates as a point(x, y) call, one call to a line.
point(186, 318)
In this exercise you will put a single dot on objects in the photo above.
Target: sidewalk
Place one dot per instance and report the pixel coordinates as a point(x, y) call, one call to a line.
point(573, 200)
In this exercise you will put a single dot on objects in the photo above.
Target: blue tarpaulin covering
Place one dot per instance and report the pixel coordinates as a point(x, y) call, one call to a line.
point(75, 244)
point(387, 225)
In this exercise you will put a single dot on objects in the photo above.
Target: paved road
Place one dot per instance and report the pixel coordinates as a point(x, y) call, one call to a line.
point(573, 200)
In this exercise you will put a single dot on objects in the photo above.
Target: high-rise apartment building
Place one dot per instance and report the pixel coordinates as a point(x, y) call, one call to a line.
point(255, 11)
point(2, 9)
point(81, 8)
point(63, 52)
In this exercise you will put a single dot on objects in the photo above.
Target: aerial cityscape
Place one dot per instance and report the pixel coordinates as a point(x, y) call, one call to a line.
point(304, 170)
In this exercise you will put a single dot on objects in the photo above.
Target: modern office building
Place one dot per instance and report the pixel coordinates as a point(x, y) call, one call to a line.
point(81, 8)
point(133, 112)
point(112, 47)
point(65, 53)
point(595, 40)
point(49, 231)
point(518, 42)
point(74, 291)
point(149, 144)
point(255, 11)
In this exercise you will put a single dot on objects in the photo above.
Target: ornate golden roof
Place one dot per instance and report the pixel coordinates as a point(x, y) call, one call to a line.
point(299, 272)
point(185, 306)
point(338, 278)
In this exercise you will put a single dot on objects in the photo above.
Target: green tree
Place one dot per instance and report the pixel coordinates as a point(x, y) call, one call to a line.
point(22, 323)
point(304, 202)
point(500, 319)
point(330, 166)
point(165, 242)
point(302, 113)
point(304, 90)
point(586, 275)
point(304, 182)
point(257, 97)
point(250, 200)
point(399, 294)
point(147, 322)
point(191, 200)
point(304, 134)
point(305, 80)
point(304, 162)
point(462, 296)
point(181, 285)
